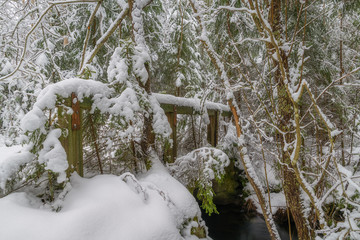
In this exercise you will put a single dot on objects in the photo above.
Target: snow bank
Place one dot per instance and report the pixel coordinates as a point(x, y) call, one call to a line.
point(105, 207)
point(185, 205)
point(278, 201)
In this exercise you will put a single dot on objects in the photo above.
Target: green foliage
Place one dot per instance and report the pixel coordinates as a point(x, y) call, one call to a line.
point(87, 73)
point(206, 194)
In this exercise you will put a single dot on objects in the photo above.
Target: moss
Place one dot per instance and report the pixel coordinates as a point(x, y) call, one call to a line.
point(231, 187)
point(198, 231)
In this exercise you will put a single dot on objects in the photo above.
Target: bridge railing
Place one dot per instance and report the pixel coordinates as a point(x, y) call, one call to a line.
point(173, 106)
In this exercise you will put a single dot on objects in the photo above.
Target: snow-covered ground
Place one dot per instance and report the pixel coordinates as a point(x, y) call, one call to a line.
point(153, 206)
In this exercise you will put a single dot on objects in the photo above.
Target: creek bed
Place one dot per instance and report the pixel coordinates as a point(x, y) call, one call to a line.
point(234, 224)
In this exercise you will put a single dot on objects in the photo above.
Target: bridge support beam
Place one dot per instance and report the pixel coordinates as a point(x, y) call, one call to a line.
point(171, 153)
point(213, 129)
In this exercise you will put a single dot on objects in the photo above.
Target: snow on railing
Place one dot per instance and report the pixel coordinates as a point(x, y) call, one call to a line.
point(193, 103)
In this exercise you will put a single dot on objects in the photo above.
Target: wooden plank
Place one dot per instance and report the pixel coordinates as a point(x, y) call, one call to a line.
point(187, 105)
point(168, 108)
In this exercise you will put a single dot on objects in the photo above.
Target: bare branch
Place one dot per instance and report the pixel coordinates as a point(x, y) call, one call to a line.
point(104, 38)
point(52, 4)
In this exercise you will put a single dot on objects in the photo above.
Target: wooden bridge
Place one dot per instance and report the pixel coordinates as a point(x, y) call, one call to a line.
point(171, 105)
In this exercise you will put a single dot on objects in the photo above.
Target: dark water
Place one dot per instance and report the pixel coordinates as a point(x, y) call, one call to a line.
point(233, 224)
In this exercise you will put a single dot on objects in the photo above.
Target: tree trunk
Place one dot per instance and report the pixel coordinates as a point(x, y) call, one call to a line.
point(148, 137)
point(285, 124)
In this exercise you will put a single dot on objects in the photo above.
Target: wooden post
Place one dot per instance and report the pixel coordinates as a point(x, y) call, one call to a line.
point(212, 130)
point(63, 121)
point(171, 153)
point(73, 143)
point(76, 135)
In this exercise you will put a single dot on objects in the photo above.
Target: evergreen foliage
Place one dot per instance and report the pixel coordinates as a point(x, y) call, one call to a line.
point(289, 71)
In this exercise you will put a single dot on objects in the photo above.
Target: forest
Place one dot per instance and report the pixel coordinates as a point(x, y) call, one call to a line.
point(129, 119)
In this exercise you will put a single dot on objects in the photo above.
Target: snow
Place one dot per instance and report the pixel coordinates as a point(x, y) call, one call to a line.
point(81, 87)
point(275, 57)
point(6, 68)
point(10, 162)
point(273, 177)
point(335, 133)
point(54, 155)
point(247, 164)
point(160, 124)
point(105, 207)
point(189, 102)
point(179, 79)
point(242, 9)
point(118, 67)
point(35, 119)
point(123, 105)
point(201, 165)
point(278, 201)
point(296, 94)
point(141, 56)
point(185, 203)
point(42, 60)
point(344, 171)
point(47, 98)
point(122, 4)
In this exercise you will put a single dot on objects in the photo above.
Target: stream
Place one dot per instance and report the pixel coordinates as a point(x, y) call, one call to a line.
point(234, 224)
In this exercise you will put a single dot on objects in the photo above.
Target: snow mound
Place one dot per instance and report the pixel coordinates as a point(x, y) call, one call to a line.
point(105, 207)
point(185, 204)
